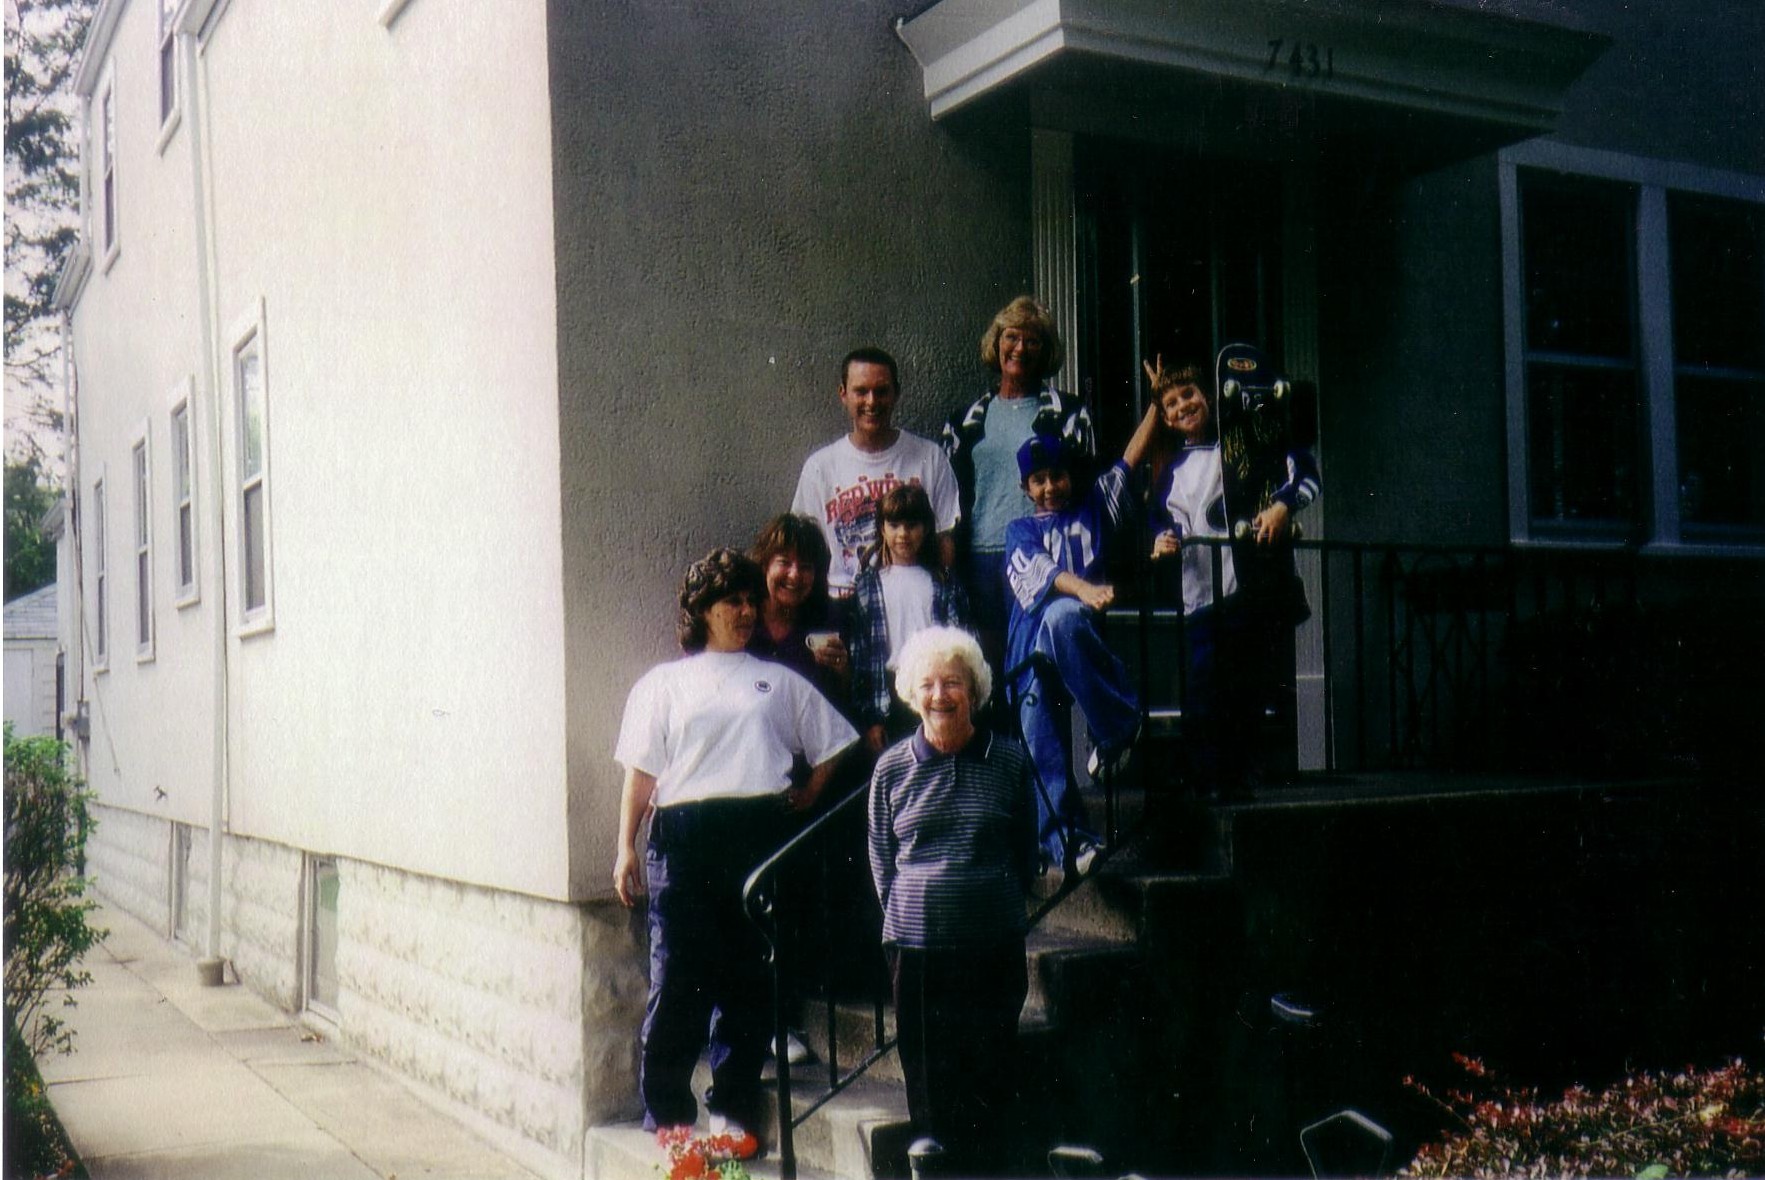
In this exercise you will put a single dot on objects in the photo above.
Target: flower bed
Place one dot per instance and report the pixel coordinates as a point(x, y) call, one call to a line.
point(1696, 1122)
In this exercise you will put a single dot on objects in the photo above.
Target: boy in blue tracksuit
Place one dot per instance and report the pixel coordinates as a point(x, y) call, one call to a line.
point(1055, 565)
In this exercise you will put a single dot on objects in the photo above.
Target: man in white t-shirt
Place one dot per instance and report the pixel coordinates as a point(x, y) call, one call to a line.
point(842, 482)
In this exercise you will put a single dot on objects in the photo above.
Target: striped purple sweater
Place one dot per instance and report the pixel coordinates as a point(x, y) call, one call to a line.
point(952, 841)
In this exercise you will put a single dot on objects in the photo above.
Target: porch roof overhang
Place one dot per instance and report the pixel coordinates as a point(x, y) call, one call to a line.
point(1457, 62)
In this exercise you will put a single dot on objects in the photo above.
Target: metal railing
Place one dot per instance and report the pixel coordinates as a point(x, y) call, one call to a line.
point(1418, 657)
point(1481, 658)
point(814, 852)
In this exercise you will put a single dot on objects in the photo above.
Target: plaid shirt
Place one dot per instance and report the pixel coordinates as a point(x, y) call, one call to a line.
point(867, 637)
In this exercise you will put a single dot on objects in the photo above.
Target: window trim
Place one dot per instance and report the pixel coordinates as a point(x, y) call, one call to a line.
point(169, 120)
point(246, 332)
point(1654, 180)
point(100, 542)
point(183, 403)
point(141, 536)
point(108, 219)
point(312, 867)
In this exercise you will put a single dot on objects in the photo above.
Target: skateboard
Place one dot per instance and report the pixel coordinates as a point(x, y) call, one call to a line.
point(1253, 408)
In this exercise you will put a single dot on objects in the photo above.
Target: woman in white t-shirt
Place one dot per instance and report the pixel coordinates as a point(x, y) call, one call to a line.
point(707, 743)
point(905, 590)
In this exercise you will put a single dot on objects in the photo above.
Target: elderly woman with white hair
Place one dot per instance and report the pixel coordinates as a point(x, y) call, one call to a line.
point(952, 853)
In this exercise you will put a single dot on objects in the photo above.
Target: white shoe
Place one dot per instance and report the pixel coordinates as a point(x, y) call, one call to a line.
point(796, 1051)
point(1086, 858)
point(1115, 761)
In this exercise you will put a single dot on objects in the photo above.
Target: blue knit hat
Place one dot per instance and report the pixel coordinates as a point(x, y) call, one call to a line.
point(1041, 452)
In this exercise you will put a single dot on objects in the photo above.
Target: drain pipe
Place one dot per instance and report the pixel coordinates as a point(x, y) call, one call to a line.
point(211, 968)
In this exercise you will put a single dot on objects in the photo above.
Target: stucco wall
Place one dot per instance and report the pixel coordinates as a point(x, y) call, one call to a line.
point(1682, 81)
point(744, 194)
point(384, 196)
point(137, 347)
point(1410, 320)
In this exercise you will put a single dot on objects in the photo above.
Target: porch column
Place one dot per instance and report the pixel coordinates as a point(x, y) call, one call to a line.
point(1299, 317)
point(1053, 213)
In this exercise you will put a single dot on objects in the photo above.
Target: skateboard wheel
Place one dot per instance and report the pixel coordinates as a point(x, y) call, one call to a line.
point(1230, 389)
point(1241, 530)
point(1282, 388)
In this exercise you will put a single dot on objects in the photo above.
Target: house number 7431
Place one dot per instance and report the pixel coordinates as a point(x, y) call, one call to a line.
point(1304, 59)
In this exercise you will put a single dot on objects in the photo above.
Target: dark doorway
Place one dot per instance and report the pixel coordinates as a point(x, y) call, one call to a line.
point(1180, 255)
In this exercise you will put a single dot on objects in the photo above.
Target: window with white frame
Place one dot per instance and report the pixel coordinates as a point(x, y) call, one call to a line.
point(1635, 305)
point(100, 582)
point(106, 179)
point(142, 474)
point(168, 63)
point(254, 506)
point(184, 498)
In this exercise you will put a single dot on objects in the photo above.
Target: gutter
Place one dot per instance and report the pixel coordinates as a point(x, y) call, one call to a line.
point(211, 968)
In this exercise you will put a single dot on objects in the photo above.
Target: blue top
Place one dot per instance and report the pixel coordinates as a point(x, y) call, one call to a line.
point(1072, 540)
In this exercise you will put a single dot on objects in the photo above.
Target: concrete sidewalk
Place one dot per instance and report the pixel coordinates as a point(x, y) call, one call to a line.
point(169, 1078)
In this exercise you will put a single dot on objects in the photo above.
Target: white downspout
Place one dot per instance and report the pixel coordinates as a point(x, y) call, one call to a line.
point(211, 968)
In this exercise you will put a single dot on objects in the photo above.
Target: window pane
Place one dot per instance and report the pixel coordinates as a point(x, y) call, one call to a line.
point(1722, 454)
point(143, 600)
point(140, 496)
point(1582, 438)
point(324, 933)
point(1578, 266)
point(181, 455)
point(1718, 282)
point(254, 547)
point(168, 79)
point(186, 547)
point(251, 407)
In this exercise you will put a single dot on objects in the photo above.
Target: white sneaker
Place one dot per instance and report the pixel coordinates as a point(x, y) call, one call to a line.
point(724, 1125)
point(796, 1051)
point(1115, 761)
point(1086, 858)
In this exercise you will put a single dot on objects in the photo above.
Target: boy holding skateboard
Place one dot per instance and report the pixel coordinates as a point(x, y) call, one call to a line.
point(1237, 474)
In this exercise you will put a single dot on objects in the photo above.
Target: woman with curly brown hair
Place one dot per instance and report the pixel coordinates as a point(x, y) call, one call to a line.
point(707, 743)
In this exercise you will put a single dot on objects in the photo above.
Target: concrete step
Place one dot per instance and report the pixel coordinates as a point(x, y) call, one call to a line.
point(1056, 957)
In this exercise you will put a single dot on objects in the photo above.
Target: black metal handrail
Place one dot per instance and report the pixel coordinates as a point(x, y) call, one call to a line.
point(1443, 652)
point(761, 898)
point(1453, 655)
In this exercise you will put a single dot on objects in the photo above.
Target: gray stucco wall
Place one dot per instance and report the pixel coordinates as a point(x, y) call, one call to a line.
point(1682, 81)
point(743, 194)
point(1411, 313)
point(1410, 316)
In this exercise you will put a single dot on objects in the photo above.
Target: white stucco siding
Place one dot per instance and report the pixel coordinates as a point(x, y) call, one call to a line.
point(384, 197)
point(136, 341)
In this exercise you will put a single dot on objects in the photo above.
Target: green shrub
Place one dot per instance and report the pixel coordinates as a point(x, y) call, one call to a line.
point(47, 927)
